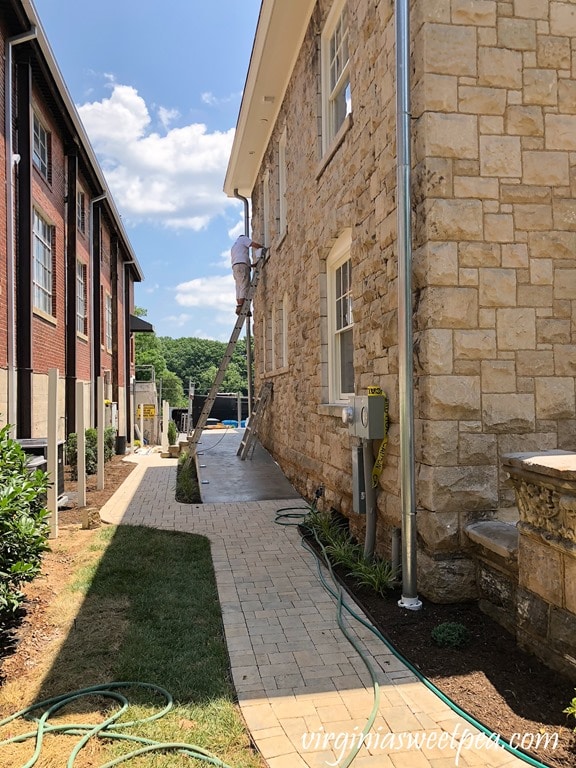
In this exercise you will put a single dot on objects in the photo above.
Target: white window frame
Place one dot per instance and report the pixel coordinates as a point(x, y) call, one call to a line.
point(43, 275)
point(41, 147)
point(266, 208)
point(335, 72)
point(108, 321)
point(81, 309)
point(339, 310)
point(81, 211)
point(282, 184)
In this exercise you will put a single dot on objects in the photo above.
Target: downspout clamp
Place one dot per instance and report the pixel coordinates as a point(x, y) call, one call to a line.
point(248, 340)
point(409, 597)
point(12, 160)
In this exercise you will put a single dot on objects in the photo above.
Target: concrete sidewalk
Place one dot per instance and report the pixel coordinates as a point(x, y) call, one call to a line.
point(304, 692)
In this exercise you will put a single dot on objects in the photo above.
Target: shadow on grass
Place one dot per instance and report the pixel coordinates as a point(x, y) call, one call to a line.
point(150, 614)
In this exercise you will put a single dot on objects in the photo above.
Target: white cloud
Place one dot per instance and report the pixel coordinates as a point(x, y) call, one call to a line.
point(174, 179)
point(214, 292)
point(214, 101)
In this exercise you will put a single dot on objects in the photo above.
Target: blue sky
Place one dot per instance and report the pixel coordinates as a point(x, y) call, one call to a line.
point(158, 87)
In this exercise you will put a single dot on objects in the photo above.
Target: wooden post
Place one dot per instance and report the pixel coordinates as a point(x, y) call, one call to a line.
point(100, 410)
point(80, 444)
point(52, 451)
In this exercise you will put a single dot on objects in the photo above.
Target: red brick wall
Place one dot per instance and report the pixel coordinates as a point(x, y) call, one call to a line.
point(49, 334)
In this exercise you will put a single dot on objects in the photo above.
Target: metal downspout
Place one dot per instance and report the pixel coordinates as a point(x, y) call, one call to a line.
point(409, 597)
point(248, 339)
point(91, 271)
point(12, 160)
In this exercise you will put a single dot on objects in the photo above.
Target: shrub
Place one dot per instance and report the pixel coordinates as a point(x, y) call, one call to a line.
point(571, 708)
point(376, 574)
point(450, 634)
point(91, 449)
point(187, 488)
point(23, 522)
point(172, 432)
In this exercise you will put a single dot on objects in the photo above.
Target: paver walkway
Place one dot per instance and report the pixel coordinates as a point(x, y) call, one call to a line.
point(303, 691)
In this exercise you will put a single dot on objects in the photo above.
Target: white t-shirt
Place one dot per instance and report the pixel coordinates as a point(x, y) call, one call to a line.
point(239, 252)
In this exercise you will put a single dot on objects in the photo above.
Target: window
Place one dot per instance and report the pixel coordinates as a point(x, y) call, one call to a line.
point(108, 322)
point(336, 95)
point(81, 211)
point(41, 156)
point(81, 298)
point(266, 208)
point(282, 184)
point(43, 273)
point(340, 320)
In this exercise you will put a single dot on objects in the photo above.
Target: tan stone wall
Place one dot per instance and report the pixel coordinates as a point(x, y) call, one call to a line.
point(494, 156)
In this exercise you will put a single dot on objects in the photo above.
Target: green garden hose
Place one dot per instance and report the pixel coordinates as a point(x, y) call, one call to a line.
point(107, 729)
point(289, 516)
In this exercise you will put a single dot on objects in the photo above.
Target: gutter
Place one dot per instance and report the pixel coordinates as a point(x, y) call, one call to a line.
point(12, 160)
point(248, 339)
point(409, 597)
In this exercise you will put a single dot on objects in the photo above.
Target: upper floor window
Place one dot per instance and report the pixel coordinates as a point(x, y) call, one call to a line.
point(282, 184)
point(81, 211)
point(41, 149)
point(108, 322)
point(340, 319)
point(336, 96)
point(43, 272)
point(81, 297)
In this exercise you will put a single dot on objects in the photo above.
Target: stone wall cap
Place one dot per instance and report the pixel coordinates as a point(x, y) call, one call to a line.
point(495, 535)
point(555, 463)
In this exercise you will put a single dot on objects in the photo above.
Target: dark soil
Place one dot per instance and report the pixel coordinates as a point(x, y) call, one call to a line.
point(491, 678)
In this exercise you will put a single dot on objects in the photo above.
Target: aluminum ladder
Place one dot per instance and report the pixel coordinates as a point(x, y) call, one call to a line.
point(251, 432)
point(244, 313)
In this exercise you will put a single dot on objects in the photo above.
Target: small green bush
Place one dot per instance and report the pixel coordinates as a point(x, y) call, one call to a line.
point(450, 634)
point(91, 449)
point(571, 708)
point(172, 432)
point(187, 488)
point(23, 523)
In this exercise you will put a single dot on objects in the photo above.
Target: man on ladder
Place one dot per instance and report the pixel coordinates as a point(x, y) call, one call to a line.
point(241, 264)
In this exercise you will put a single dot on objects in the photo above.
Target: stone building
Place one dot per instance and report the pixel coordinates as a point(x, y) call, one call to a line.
point(67, 269)
point(493, 238)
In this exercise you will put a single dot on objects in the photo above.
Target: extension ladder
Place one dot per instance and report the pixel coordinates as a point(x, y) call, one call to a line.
point(244, 312)
point(251, 432)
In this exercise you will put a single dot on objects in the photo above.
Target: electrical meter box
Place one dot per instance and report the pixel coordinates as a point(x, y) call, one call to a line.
point(366, 416)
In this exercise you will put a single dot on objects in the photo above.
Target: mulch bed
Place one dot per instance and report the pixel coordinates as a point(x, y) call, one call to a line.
point(502, 687)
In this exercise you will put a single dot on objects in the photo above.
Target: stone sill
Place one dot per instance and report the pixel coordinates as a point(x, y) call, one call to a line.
point(495, 536)
point(555, 469)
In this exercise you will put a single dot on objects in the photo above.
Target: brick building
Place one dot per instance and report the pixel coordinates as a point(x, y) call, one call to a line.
point(67, 269)
point(492, 133)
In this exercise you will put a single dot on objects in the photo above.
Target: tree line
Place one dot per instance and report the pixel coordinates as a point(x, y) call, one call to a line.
point(177, 361)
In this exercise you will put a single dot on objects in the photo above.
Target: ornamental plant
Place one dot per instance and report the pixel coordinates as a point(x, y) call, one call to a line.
point(571, 708)
point(450, 634)
point(23, 523)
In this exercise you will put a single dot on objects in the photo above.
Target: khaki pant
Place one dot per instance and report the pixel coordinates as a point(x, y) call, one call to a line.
point(241, 274)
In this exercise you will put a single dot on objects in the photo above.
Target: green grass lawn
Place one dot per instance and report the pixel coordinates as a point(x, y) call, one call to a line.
point(151, 614)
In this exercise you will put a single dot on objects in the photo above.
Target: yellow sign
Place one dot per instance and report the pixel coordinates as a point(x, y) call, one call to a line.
point(149, 411)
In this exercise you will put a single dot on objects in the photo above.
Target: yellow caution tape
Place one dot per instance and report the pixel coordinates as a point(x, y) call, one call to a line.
point(379, 463)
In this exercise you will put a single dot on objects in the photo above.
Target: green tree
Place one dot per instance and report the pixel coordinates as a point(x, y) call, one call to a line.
point(172, 389)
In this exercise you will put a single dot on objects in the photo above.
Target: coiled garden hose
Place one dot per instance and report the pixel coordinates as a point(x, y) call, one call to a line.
point(295, 516)
point(107, 729)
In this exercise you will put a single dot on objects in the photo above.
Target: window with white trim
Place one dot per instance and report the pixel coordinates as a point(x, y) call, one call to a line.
point(282, 172)
point(340, 320)
point(43, 275)
point(41, 148)
point(81, 313)
point(81, 211)
point(336, 94)
point(266, 208)
point(108, 322)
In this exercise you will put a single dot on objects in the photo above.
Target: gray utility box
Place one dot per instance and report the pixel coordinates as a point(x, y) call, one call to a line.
point(366, 418)
point(38, 446)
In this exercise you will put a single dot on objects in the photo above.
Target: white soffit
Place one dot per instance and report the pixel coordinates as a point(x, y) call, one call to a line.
point(281, 28)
